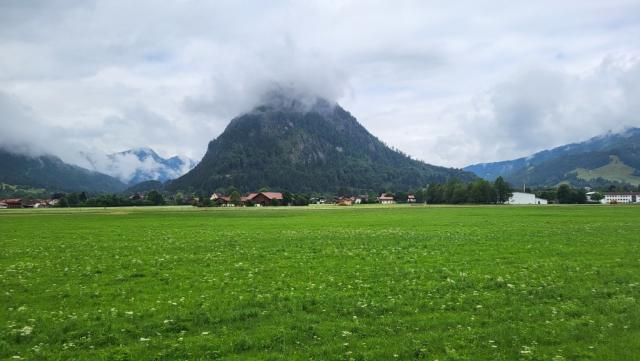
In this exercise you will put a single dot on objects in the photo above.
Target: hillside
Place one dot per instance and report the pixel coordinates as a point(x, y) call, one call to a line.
point(316, 147)
point(51, 173)
point(609, 158)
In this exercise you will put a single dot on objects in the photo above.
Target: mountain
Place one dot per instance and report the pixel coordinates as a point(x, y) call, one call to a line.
point(602, 160)
point(145, 186)
point(51, 173)
point(139, 165)
point(306, 146)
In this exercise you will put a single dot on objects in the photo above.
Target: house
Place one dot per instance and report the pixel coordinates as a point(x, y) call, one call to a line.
point(411, 198)
point(247, 199)
point(215, 196)
point(620, 197)
point(3, 205)
point(385, 199)
point(525, 198)
point(344, 201)
point(13, 203)
point(53, 202)
point(265, 198)
point(223, 201)
point(317, 200)
point(39, 203)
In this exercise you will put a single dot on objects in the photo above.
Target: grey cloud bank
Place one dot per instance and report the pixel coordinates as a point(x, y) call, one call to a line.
point(449, 84)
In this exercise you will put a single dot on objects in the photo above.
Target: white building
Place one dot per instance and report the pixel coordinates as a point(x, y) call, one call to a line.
point(525, 198)
point(621, 197)
point(385, 199)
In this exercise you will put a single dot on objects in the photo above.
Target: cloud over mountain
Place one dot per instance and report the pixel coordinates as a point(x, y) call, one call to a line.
point(111, 75)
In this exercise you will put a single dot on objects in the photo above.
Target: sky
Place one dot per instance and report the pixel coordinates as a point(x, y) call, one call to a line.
point(448, 82)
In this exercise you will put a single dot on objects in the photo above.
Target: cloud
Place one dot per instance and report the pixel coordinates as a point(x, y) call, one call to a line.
point(428, 78)
point(539, 108)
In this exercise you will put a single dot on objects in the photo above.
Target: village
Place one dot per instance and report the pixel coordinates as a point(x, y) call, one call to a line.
point(266, 199)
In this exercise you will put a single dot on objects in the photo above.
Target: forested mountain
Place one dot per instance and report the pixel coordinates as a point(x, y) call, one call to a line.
point(605, 159)
point(291, 145)
point(51, 173)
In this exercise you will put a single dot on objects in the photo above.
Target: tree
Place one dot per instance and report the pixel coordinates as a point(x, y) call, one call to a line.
point(155, 198)
point(287, 198)
point(205, 201)
point(579, 196)
point(179, 199)
point(503, 190)
point(597, 197)
point(63, 202)
point(401, 197)
point(564, 194)
point(434, 194)
point(421, 195)
point(481, 192)
point(235, 198)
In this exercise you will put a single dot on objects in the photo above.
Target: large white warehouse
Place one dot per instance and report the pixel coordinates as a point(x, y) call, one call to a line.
point(621, 197)
point(525, 198)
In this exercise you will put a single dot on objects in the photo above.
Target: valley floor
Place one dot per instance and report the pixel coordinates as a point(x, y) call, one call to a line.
point(321, 283)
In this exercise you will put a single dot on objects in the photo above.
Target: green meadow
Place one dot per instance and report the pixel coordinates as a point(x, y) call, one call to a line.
point(321, 283)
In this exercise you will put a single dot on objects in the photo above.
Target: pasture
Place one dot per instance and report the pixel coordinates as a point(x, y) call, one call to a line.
point(321, 283)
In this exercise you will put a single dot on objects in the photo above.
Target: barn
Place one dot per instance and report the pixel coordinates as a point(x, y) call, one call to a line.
point(265, 198)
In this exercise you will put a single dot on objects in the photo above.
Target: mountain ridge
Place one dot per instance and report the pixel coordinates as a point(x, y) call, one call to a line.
point(570, 162)
point(53, 174)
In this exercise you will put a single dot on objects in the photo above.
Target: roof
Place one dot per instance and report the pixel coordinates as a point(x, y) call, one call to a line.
point(411, 196)
point(13, 201)
point(270, 195)
point(622, 194)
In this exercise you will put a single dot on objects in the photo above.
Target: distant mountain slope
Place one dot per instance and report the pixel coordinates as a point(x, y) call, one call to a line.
point(316, 147)
point(53, 174)
point(612, 157)
point(145, 186)
point(141, 164)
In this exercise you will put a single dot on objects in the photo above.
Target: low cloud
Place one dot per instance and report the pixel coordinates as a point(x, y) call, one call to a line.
point(449, 84)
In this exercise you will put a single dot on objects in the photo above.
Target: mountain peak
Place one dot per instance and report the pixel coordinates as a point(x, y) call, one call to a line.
point(305, 144)
point(293, 100)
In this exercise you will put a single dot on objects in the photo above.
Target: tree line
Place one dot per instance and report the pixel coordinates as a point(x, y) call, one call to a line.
point(453, 192)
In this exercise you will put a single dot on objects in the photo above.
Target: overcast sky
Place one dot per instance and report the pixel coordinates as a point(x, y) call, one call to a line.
point(448, 82)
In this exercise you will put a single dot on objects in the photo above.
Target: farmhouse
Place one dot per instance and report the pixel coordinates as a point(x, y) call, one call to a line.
point(411, 198)
point(39, 203)
point(525, 198)
point(223, 201)
point(621, 197)
point(385, 199)
point(13, 203)
point(265, 198)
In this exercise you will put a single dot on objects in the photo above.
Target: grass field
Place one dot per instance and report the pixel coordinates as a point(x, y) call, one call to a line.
point(352, 283)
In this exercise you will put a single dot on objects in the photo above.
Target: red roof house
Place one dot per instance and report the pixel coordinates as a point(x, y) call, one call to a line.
point(265, 198)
